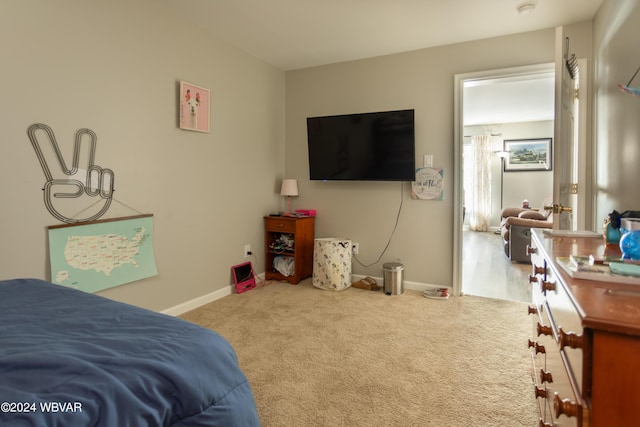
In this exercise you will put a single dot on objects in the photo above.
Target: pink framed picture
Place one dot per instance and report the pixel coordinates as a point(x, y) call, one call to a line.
point(194, 107)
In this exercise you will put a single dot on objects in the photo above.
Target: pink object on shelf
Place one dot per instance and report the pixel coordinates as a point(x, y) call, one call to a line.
point(306, 212)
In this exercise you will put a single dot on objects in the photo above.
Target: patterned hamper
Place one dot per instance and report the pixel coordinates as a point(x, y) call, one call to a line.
point(332, 263)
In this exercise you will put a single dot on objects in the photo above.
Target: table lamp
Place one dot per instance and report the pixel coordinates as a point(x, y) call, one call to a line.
point(289, 189)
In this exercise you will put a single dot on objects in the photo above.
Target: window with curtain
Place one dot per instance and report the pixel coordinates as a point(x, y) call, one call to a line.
point(480, 184)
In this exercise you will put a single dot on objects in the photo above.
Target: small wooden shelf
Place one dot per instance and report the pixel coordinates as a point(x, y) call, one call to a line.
point(299, 231)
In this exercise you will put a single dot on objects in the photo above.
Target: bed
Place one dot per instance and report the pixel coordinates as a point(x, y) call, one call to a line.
point(70, 358)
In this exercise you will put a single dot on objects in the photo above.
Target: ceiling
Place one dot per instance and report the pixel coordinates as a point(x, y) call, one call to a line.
point(509, 99)
point(294, 34)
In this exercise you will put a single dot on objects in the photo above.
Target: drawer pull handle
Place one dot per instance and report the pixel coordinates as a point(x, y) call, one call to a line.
point(533, 279)
point(531, 250)
point(548, 286)
point(537, 347)
point(540, 392)
point(532, 310)
point(564, 406)
point(539, 270)
point(569, 339)
point(545, 377)
point(543, 330)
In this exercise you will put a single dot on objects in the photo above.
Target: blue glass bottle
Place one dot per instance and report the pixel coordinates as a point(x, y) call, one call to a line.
point(630, 245)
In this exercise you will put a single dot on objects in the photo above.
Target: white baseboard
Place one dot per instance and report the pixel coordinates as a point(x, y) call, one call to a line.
point(414, 286)
point(220, 293)
point(197, 302)
point(179, 309)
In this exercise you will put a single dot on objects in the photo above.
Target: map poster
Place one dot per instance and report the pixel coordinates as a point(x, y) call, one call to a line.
point(102, 254)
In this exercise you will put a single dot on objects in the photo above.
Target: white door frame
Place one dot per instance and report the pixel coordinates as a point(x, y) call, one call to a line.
point(585, 206)
point(458, 134)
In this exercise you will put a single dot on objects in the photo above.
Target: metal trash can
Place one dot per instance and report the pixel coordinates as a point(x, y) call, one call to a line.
point(393, 278)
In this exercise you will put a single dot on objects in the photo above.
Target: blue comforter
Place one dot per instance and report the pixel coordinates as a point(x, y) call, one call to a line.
point(69, 358)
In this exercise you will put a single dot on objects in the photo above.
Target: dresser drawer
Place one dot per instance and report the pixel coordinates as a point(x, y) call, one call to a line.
point(280, 225)
point(567, 328)
point(541, 337)
point(555, 384)
point(557, 366)
point(540, 343)
point(559, 393)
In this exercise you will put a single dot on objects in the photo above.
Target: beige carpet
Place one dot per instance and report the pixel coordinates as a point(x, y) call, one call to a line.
point(361, 358)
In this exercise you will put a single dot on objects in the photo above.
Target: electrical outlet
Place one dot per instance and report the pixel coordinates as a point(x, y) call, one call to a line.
point(247, 250)
point(356, 248)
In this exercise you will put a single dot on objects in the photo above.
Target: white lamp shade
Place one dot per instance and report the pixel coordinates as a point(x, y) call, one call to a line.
point(289, 187)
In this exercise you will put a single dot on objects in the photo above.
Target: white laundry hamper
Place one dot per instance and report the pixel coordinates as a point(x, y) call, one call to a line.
point(332, 263)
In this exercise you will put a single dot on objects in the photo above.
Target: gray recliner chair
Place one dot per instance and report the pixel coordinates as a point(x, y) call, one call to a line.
point(516, 225)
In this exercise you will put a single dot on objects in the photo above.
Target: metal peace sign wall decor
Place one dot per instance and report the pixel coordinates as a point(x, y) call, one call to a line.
point(93, 184)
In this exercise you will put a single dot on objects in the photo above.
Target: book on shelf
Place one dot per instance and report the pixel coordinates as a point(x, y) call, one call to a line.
point(584, 267)
point(587, 263)
point(570, 233)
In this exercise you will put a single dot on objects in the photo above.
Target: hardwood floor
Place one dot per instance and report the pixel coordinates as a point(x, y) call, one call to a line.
point(487, 272)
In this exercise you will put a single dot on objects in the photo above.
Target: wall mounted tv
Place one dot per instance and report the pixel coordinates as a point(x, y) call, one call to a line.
point(362, 147)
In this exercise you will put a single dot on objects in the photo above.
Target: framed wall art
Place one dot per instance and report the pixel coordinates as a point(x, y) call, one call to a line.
point(429, 184)
point(194, 107)
point(527, 154)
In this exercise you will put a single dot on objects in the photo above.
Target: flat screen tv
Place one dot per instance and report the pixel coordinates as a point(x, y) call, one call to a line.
point(362, 147)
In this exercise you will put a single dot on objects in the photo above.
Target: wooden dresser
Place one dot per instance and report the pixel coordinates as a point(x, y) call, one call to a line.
point(585, 346)
point(298, 233)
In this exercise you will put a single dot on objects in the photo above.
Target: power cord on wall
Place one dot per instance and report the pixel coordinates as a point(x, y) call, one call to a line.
point(259, 280)
point(392, 232)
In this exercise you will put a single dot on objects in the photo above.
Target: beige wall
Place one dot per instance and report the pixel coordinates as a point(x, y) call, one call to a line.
point(423, 80)
point(616, 125)
point(113, 66)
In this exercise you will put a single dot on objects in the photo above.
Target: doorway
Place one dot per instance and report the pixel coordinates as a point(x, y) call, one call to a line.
point(502, 104)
